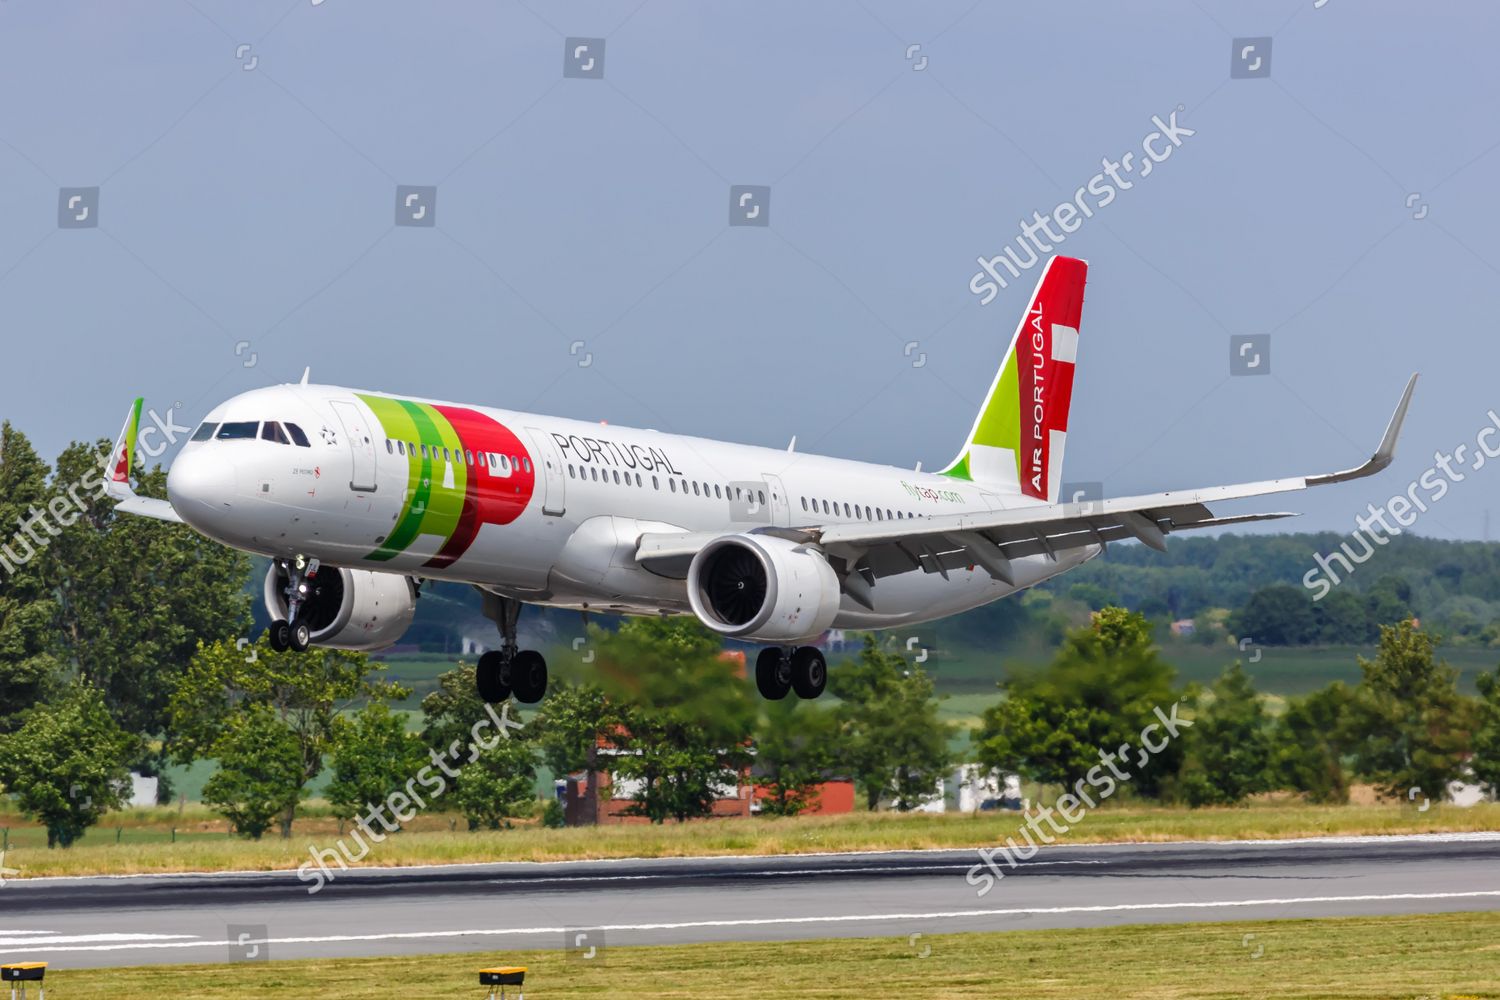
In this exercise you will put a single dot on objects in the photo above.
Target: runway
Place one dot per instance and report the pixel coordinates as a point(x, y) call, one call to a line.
point(588, 907)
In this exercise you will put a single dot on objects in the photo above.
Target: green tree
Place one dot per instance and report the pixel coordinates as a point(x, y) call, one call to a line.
point(686, 716)
point(498, 785)
point(1309, 743)
point(29, 671)
point(135, 596)
point(1228, 749)
point(572, 721)
point(1343, 619)
point(306, 692)
point(66, 764)
point(890, 740)
point(1105, 686)
point(373, 756)
point(259, 777)
point(1278, 615)
point(1409, 725)
point(794, 752)
point(1486, 760)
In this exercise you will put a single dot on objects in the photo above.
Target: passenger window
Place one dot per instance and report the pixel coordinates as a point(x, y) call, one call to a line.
point(804, 503)
point(655, 483)
point(204, 432)
point(424, 451)
point(239, 431)
point(617, 477)
point(760, 495)
point(594, 474)
point(717, 495)
point(468, 457)
point(570, 472)
point(877, 515)
point(695, 489)
point(867, 513)
point(672, 483)
point(825, 507)
point(639, 481)
point(298, 438)
point(526, 464)
point(390, 449)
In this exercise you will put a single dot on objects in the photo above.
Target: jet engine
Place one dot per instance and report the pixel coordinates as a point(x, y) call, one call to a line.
point(348, 608)
point(763, 587)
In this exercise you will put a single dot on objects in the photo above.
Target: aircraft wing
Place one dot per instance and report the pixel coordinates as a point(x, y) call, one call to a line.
point(991, 539)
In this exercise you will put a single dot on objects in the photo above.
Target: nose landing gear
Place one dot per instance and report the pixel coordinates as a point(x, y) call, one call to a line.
point(289, 633)
point(780, 670)
point(508, 670)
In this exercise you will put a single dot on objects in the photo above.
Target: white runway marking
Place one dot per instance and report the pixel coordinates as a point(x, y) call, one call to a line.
point(34, 939)
point(854, 918)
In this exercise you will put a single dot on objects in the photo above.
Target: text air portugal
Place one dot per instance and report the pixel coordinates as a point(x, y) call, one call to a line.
point(1046, 364)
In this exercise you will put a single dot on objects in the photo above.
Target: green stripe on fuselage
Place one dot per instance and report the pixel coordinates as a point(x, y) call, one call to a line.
point(429, 507)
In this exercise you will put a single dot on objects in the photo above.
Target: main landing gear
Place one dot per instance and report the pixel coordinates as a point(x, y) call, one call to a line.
point(289, 633)
point(508, 671)
point(781, 669)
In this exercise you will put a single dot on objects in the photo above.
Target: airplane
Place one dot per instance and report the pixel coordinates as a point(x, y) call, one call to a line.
point(358, 497)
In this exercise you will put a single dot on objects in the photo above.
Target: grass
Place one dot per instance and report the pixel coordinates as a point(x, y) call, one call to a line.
point(143, 848)
point(1447, 955)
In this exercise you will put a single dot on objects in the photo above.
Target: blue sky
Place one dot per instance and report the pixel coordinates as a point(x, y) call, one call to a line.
point(249, 213)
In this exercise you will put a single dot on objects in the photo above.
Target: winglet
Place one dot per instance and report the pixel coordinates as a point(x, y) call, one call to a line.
point(1385, 454)
point(122, 459)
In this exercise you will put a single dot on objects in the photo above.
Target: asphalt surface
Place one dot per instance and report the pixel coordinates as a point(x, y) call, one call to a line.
point(498, 908)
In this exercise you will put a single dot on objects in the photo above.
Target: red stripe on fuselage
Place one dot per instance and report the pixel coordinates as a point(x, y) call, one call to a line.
point(489, 496)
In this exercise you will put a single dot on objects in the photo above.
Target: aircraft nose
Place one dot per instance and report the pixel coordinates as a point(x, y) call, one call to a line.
point(200, 483)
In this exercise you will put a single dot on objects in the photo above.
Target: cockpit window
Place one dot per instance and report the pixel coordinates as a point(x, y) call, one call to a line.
point(204, 432)
point(298, 438)
point(271, 431)
point(239, 430)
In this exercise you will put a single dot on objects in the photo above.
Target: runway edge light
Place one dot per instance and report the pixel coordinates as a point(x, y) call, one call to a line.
point(501, 977)
point(23, 973)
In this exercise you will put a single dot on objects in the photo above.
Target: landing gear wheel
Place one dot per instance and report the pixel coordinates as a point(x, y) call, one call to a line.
point(528, 673)
point(301, 637)
point(773, 673)
point(809, 671)
point(279, 635)
point(490, 677)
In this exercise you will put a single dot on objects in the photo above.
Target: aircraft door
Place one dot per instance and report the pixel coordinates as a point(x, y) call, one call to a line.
point(781, 509)
point(361, 445)
point(554, 483)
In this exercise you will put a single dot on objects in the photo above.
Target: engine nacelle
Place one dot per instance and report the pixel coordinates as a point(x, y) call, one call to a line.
point(763, 587)
point(349, 608)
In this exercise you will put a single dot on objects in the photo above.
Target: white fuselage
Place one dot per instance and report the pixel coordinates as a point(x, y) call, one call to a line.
point(543, 509)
